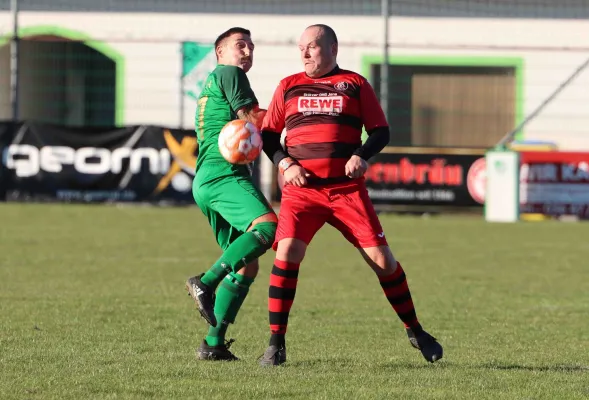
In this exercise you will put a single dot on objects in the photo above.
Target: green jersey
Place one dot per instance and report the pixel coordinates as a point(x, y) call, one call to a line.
point(224, 192)
point(226, 90)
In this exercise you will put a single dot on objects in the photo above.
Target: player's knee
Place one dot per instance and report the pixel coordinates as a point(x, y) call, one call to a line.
point(265, 233)
point(291, 250)
point(250, 270)
point(380, 259)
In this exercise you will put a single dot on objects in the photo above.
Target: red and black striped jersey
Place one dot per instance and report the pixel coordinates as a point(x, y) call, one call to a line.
point(323, 118)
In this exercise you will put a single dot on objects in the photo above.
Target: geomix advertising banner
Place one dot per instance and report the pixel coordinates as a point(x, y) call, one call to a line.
point(139, 163)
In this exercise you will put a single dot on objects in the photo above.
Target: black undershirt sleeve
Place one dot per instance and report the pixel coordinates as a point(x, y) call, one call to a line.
point(272, 146)
point(378, 138)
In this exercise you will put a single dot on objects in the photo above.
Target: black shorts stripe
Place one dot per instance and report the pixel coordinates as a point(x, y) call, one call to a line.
point(312, 181)
point(299, 120)
point(283, 273)
point(281, 293)
point(314, 151)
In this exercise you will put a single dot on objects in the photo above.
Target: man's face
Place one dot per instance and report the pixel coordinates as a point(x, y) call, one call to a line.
point(317, 55)
point(237, 50)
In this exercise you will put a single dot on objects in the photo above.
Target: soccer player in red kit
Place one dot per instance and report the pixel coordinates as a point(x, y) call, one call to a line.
point(323, 110)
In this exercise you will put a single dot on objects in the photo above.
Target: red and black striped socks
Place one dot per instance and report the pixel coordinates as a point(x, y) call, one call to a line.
point(397, 292)
point(281, 294)
point(283, 286)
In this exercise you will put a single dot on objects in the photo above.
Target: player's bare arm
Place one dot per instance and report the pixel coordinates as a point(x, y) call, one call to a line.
point(293, 173)
point(252, 113)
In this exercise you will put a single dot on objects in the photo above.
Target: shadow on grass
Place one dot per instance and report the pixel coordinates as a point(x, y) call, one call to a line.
point(536, 368)
point(443, 364)
point(350, 363)
point(413, 365)
point(344, 363)
point(323, 362)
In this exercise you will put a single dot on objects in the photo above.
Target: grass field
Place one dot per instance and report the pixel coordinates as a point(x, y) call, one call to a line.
point(92, 305)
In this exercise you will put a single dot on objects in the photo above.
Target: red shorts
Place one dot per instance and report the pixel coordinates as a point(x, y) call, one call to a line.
point(345, 206)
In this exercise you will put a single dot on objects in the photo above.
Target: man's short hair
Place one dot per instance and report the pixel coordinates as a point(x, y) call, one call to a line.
point(328, 32)
point(229, 32)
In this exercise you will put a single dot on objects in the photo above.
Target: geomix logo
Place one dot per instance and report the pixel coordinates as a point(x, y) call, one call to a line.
point(183, 159)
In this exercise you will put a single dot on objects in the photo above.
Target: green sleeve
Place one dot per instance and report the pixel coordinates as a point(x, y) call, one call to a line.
point(236, 86)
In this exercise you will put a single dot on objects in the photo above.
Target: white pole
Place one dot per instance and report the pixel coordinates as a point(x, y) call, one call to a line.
point(14, 47)
point(182, 86)
point(384, 69)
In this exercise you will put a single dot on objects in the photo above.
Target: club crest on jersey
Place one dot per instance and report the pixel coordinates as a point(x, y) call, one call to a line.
point(321, 104)
point(341, 86)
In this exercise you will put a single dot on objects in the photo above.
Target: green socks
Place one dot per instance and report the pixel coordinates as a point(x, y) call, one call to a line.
point(232, 287)
point(214, 275)
point(241, 252)
point(230, 296)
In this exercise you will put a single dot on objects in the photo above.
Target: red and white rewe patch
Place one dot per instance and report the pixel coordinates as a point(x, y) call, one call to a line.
point(321, 104)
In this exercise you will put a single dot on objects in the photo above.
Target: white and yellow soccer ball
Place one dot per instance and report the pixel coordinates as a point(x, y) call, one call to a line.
point(240, 142)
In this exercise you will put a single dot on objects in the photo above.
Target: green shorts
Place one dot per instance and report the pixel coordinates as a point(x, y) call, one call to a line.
point(229, 199)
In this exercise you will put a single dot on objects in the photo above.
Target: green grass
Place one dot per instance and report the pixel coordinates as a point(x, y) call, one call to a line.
point(92, 305)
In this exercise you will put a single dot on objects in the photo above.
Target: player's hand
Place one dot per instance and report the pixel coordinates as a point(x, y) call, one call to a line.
point(356, 167)
point(296, 175)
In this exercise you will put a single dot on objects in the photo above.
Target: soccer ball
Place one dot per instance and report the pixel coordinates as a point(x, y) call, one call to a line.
point(240, 142)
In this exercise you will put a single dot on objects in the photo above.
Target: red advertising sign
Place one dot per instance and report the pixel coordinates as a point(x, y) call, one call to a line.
point(555, 183)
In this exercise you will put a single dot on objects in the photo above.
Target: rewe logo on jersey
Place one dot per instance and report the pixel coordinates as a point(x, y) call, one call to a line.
point(321, 104)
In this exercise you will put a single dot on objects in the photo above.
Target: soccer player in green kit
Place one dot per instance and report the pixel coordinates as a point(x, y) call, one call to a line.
point(242, 220)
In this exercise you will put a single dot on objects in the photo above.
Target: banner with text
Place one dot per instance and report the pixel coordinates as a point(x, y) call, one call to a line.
point(140, 163)
point(555, 183)
point(427, 177)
